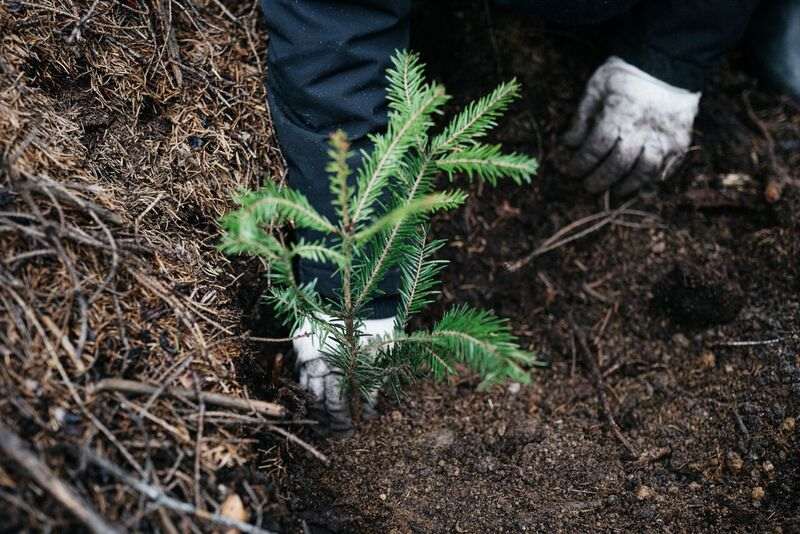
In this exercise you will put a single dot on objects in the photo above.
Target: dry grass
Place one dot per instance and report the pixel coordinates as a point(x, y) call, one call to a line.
point(124, 127)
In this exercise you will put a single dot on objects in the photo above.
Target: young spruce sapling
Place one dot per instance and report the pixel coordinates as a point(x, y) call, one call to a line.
point(382, 223)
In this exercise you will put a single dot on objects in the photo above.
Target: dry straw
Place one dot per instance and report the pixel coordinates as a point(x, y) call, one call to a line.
point(124, 126)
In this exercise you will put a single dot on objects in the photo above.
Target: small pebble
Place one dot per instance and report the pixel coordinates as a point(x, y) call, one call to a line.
point(789, 424)
point(32, 387)
point(501, 429)
point(514, 387)
point(694, 486)
point(233, 508)
point(758, 493)
point(681, 340)
point(382, 496)
point(644, 493)
point(708, 360)
point(59, 414)
point(768, 468)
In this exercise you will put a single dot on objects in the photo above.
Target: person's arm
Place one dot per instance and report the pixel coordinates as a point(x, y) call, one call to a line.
point(634, 123)
point(681, 41)
point(326, 70)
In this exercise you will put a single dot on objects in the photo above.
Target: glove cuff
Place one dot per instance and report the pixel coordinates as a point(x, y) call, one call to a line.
point(618, 63)
point(306, 338)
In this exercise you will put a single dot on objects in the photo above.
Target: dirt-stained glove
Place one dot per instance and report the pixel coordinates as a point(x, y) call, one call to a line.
point(631, 129)
point(317, 377)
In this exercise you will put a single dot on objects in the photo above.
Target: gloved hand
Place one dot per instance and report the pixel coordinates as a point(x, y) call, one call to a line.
point(630, 129)
point(317, 377)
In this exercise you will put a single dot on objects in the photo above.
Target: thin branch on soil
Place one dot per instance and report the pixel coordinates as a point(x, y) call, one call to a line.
point(307, 446)
point(778, 175)
point(571, 232)
point(170, 41)
point(46, 185)
point(160, 498)
point(166, 378)
point(198, 502)
point(220, 417)
point(574, 351)
point(601, 389)
point(653, 455)
point(740, 423)
point(753, 343)
point(31, 510)
point(217, 399)
point(248, 337)
point(78, 29)
point(149, 207)
point(13, 446)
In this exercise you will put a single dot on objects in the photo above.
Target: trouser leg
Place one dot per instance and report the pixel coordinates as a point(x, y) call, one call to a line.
point(773, 44)
point(326, 67)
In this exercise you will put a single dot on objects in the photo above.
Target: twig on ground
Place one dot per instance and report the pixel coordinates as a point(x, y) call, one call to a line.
point(216, 399)
point(78, 29)
point(198, 501)
point(248, 337)
point(162, 499)
point(166, 379)
point(146, 211)
point(753, 343)
point(601, 389)
point(740, 423)
point(778, 175)
point(46, 185)
point(31, 510)
point(180, 434)
point(653, 455)
point(487, 10)
point(220, 417)
point(170, 41)
point(13, 446)
point(307, 446)
point(571, 233)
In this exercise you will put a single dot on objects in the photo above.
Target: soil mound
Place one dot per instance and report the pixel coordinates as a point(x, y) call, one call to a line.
point(124, 128)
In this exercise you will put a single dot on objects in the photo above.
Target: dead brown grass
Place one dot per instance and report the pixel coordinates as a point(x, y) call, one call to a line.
point(124, 127)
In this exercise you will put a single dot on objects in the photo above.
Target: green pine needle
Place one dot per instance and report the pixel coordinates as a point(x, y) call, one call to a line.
point(489, 163)
point(477, 119)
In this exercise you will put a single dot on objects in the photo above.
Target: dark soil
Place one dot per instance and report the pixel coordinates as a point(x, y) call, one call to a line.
point(711, 425)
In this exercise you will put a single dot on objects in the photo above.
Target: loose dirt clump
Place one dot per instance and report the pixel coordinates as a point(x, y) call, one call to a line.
point(694, 300)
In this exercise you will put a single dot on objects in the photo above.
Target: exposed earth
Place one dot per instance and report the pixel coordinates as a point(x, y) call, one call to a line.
point(660, 295)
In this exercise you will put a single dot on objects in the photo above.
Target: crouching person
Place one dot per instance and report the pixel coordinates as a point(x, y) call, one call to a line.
point(326, 72)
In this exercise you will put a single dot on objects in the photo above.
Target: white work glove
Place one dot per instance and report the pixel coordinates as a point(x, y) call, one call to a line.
point(630, 129)
point(318, 378)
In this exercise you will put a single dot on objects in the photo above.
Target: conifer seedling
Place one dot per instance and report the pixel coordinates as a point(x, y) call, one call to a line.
point(383, 212)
